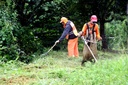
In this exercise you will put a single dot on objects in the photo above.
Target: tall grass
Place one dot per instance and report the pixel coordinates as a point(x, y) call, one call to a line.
point(57, 69)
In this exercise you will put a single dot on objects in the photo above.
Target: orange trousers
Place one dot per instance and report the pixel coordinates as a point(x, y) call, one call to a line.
point(73, 47)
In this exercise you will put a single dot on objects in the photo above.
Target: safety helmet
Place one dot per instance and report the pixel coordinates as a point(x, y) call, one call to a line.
point(93, 18)
point(64, 20)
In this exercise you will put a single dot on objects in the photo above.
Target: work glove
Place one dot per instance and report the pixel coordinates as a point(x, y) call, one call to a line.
point(100, 38)
point(57, 41)
point(82, 37)
point(79, 34)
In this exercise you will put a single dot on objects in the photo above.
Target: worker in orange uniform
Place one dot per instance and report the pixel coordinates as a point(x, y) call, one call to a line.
point(90, 34)
point(70, 33)
point(90, 28)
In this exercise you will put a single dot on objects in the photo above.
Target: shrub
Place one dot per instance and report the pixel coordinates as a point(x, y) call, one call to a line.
point(116, 32)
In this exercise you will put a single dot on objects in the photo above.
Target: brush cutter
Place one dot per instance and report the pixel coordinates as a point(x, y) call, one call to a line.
point(49, 49)
point(85, 42)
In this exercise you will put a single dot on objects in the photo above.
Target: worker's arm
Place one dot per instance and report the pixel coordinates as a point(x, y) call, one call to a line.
point(84, 30)
point(65, 32)
point(97, 32)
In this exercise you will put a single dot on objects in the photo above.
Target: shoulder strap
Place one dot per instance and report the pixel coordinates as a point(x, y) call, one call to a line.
point(73, 30)
point(93, 27)
point(93, 30)
point(88, 35)
point(87, 27)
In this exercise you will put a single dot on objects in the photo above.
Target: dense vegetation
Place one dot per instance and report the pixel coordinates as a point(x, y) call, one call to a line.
point(28, 27)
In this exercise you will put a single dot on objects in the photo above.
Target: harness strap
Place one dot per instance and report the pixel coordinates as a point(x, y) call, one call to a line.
point(89, 37)
point(92, 31)
point(71, 33)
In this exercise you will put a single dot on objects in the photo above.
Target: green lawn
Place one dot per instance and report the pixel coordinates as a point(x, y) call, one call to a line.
point(57, 69)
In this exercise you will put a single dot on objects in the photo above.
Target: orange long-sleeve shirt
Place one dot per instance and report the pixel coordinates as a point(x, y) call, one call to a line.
point(96, 29)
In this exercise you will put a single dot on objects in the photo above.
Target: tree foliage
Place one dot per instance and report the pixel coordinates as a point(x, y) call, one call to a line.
point(104, 10)
point(28, 26)
point(37, 15)
point(116, 31)
point(8, 45)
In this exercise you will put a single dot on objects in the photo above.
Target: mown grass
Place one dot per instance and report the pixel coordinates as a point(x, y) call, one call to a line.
point(57, 69)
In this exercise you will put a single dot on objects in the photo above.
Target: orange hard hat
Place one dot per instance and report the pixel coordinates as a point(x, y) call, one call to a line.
point(64, 20)
point(93, 18)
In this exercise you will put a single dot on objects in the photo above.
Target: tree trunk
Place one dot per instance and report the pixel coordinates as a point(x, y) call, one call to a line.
point(102, 33)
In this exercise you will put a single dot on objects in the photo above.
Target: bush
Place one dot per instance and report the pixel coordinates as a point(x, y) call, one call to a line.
point(16, 42)
point(116, 32)
point(8, 46)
